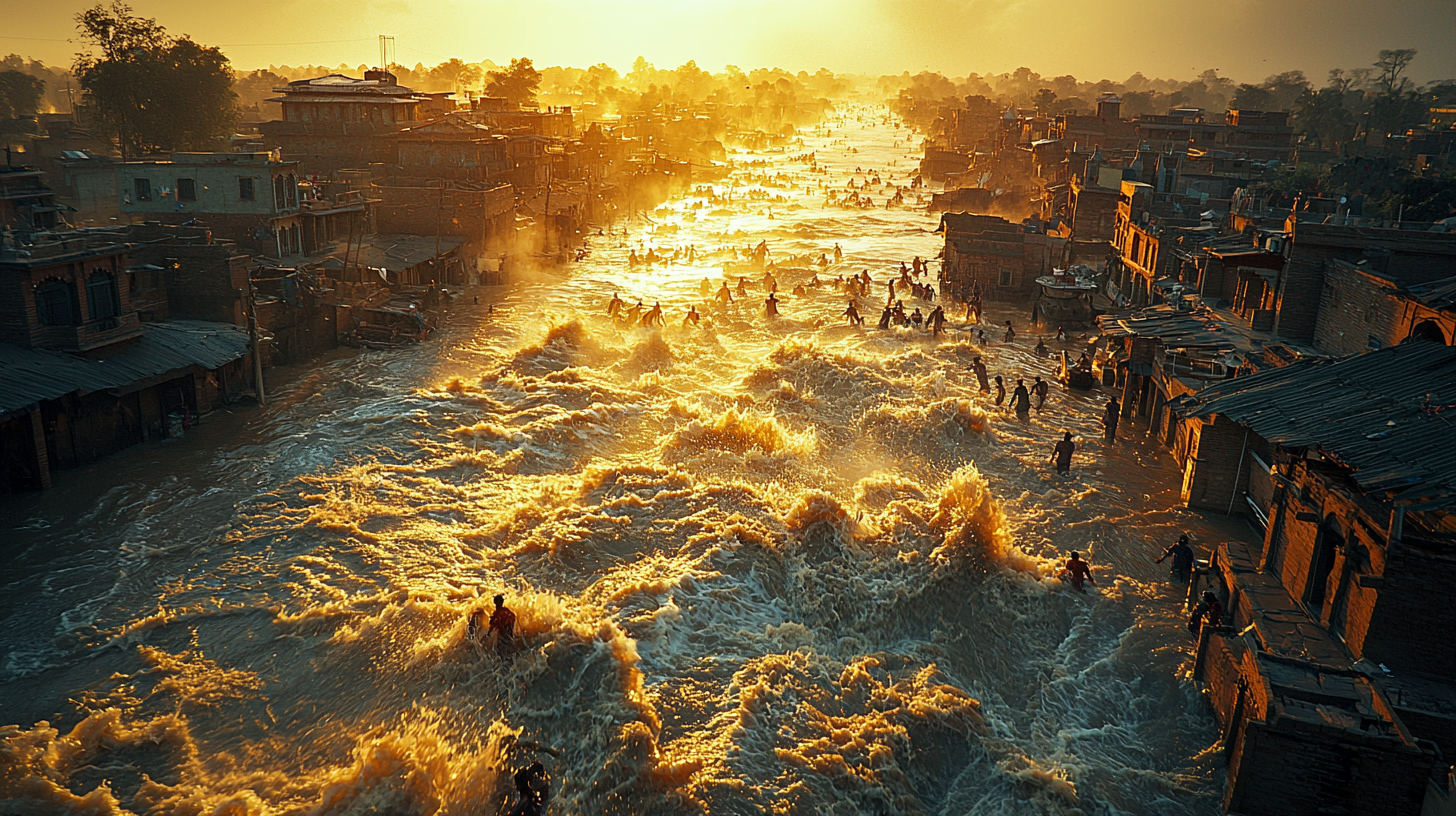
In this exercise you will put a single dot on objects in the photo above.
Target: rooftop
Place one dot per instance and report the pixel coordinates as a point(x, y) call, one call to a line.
point(1386, 415)
point(29, 376)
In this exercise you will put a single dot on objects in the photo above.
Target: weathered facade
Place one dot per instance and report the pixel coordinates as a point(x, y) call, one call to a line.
point(80, 376)
point(249, 198)
point(1003, 258)
point(335, 122)
point(1337, 663)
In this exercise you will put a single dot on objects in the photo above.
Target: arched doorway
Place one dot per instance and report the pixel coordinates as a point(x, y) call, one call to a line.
point(1428, 330)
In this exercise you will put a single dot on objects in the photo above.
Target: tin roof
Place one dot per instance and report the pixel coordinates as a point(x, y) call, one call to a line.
point(28, 376)
point(1388, 415)
point(398, 253)
point(1439, 294)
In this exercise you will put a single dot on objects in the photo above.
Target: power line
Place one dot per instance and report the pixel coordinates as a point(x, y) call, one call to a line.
point(216, 45)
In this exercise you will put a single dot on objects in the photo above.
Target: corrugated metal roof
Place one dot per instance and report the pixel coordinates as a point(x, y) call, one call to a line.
point(1439, 294)
point(1194, 327)
point(1388, 415)
point(28, 376)
point(398, 253)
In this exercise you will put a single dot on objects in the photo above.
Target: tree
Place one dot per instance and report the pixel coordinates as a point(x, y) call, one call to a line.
point(454, 75)
point(1044, 99)
point(1285, 89)
point(517, 84)
point(154, 93)
point(1251, 97)
point(1390, 68)
point(20, 94)
point(1424, 199)
point(1323, 118)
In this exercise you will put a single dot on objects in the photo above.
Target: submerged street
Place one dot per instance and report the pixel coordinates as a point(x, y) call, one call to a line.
point(789, 566)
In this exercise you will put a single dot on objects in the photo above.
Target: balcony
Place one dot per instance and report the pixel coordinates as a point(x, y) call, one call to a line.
point(92, 334)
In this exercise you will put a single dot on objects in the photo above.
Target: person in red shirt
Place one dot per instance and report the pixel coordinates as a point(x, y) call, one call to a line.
point(1209, 612)
point(1078, 571)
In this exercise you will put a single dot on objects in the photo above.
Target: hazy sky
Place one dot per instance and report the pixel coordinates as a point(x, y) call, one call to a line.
point(1091, 39)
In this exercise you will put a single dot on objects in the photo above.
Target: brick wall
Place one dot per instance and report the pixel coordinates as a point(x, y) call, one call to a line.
point(1218, 479)
point(1298, 769)
point(203, 281)
point(1353, 308)
point(1299, 291)
point(1415, 614)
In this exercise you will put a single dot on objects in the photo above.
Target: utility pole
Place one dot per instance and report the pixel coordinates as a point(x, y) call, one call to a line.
point(257, 350)
point(439, 215)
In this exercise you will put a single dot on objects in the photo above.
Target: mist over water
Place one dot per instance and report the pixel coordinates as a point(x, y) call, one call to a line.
point(788, 566)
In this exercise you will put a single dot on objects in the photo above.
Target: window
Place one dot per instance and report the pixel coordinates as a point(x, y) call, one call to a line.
point(290, 189)
point(186, 189)
point(245, 190)
point(142, 189)
point(1005, 279)
point(277, 192)
point(101, 295)
point(54, 303)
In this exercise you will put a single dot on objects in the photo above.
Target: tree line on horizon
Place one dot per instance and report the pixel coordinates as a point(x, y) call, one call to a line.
point(1376, 99)
point(153, 92)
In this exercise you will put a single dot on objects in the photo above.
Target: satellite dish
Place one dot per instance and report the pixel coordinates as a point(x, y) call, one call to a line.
point(1343, 199)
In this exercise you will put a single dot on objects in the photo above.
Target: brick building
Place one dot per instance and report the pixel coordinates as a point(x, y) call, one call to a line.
point(480, 216)
point(1363, 308)
point(1405, 257)
point(335, 122)
point(1005, 259)
point(452, 147)
point(1337, 659)
point(1105, 129)
point(80, 375)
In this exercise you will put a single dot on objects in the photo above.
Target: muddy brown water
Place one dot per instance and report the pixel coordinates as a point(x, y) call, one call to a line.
point(784, 566)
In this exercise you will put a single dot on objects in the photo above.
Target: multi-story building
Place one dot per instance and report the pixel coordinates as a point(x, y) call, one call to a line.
point(1002, 258)
point(26, 203)
point(80, 375)
point(250, 198)
point(1332, 671)
point(1105, 129)
point(336, 122)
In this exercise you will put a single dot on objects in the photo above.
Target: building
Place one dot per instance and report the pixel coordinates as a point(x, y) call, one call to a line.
point(1363, 308)
point(26, 204)
point(1259, 135)
point(1404, 257)
point(455, 148)
point(335, 122)
point(1105, 129)
point(1334, 676)
point(80, 376)
point(478, 218)
point(250, 198)
point(1002, 258)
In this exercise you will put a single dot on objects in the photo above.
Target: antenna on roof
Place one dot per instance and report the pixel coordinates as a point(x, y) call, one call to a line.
point(386, 44)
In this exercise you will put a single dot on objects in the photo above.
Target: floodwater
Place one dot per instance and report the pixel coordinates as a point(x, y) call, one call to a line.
point(785, 566)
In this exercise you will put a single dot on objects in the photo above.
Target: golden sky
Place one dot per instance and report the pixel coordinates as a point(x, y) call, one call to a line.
point(1091, 39)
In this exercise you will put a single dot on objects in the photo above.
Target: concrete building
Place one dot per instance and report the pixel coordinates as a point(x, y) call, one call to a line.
point(250, 198)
